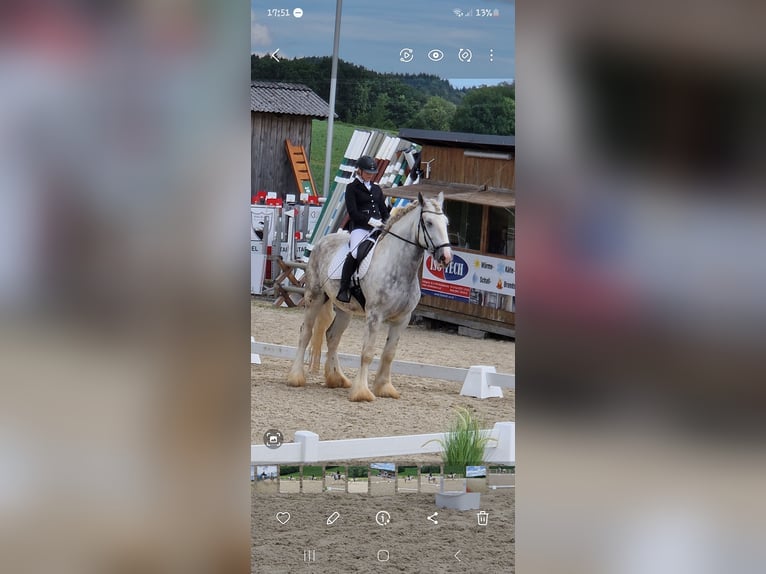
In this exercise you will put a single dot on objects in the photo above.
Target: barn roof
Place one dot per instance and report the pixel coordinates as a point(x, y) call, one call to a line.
point(459, 139)
point(482, 195)
point(284, 98)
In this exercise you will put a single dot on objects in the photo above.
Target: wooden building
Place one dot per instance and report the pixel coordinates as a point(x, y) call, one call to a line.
point(476, 174)
point(280, 111)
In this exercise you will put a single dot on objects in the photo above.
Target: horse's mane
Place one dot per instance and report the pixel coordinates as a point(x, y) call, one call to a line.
point(401, 212)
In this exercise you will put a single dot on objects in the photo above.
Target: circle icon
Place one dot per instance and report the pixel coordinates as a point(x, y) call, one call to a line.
point(273, 438)
point(384, 555)
point(435, 55)
point(464, 55)
point(406, 55)
point(297, 12)
point(382, 518)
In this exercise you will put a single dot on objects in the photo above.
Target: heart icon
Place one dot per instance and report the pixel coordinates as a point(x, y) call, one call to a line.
point(283, 517)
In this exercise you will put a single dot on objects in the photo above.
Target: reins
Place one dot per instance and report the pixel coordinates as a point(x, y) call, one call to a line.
point(433, 248)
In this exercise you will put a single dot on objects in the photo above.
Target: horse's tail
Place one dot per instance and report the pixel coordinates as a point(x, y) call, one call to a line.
point(323, 321)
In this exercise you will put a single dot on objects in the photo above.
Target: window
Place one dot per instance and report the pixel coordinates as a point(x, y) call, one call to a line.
point(501, 231)
point(464, 224)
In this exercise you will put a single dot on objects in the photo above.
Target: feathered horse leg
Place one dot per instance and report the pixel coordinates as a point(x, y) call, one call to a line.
point(297, 377)
point(383, 386)
point(333, 374)
point(360, 390)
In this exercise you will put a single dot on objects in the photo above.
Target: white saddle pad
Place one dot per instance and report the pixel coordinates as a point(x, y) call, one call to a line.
point(336, 267)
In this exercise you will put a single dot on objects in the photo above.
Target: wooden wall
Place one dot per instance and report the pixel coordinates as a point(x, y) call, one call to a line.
point(270, 168)
point(475, 316)
point(452, 166)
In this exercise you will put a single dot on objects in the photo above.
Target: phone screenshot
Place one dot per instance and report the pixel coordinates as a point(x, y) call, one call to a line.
point(383, 285)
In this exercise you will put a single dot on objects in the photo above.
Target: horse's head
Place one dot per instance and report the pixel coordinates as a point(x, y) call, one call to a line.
point(434, 226)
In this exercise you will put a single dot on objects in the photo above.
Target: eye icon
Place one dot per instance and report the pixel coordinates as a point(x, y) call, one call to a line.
point(435, 55)
point(464, 55)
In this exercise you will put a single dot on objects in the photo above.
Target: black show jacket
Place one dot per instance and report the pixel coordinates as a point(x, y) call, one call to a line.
point(362, 204)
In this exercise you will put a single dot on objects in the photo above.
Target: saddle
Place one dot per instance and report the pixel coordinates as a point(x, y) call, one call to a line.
point(365, 252)
point(336, 265)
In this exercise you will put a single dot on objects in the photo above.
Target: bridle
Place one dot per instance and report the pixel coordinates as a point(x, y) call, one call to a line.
point(433, 248)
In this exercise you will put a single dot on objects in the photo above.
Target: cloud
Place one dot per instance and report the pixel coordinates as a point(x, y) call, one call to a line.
point(259, 33)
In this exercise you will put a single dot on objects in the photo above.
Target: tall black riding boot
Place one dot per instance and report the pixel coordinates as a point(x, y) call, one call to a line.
point(349, 265)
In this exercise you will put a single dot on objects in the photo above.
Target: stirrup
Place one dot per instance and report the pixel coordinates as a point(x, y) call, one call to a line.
point(344, 295)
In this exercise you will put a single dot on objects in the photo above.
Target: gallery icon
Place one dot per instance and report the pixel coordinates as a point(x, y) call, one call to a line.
point(406, 55)
point(435, 55)
point(273, 438)
point(382, 518)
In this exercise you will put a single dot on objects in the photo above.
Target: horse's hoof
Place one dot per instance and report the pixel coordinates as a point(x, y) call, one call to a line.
point(387, 391)
point(362, 396)
point(337, 382)
point(296, 381)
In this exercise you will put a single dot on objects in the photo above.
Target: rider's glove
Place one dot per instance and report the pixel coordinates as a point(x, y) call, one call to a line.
point(374, 222)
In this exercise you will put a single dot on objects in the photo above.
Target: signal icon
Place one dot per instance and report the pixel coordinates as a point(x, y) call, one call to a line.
point(458, 12)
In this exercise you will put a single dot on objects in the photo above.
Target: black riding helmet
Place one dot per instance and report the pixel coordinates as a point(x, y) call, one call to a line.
point(366, 163)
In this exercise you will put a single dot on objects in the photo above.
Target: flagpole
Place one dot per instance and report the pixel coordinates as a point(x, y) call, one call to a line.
point(333, 86)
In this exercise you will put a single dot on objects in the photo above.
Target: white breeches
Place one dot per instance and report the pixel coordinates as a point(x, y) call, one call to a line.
point(357, 236)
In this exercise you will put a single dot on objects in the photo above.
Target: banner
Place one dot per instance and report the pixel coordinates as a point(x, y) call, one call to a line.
point(257, 267)
point(472, 278)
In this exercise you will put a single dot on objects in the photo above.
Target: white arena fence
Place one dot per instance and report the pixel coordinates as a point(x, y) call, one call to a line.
point(478, 381)
point(308, 449)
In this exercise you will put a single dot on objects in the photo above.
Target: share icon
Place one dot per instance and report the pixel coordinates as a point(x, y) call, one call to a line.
point(432, 518)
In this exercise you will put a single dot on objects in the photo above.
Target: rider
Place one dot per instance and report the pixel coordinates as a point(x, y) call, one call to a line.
point(367, 210)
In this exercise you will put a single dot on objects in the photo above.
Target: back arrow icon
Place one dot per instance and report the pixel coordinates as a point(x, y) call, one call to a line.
point(274, 54)
point(456, 557)
point(432, 519)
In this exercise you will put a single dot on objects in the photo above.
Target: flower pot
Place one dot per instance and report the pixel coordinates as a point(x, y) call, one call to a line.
point(459, 500)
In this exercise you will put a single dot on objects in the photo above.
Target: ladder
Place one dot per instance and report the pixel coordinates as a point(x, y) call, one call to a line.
point(303, 178)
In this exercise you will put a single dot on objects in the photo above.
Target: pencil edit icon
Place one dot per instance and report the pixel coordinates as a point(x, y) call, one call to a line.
point(332, 519)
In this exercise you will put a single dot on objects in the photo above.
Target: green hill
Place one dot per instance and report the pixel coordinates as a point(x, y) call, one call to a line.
point(342, 133)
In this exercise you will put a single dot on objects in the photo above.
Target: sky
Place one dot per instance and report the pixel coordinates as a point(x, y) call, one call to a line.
point(373, 35)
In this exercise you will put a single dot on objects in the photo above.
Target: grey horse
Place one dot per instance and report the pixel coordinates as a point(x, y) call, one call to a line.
point(391, 291)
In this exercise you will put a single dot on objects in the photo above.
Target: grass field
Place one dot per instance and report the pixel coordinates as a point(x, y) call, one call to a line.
point(342, 133)
point(293, 475)
point(315, 471)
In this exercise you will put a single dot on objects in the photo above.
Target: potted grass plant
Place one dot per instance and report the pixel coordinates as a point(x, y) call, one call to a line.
point(463, 445)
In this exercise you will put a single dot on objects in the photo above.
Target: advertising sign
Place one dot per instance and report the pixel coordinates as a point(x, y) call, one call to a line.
point(257, 266)
point(472, 278)
point(263, 222)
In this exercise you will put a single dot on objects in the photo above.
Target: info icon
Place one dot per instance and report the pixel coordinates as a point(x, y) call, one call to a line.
point(273, 438)
point(382, 518)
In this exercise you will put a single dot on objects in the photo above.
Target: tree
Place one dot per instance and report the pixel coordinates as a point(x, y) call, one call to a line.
point(437, 114)
point(487, 110)
point(379, 114)
point(358, 97)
